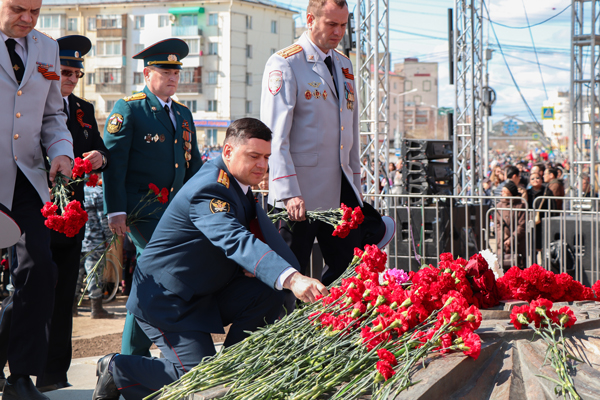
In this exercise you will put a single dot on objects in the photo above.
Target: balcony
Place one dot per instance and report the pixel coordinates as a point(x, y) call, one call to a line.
point(189, 88)
point(110, 88)
point(111, 33)
point(191, 30)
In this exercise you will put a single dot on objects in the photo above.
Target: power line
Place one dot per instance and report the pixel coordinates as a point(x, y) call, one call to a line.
point(528, 26)
point(531, 114)
point(533, 62)
point(534, 50)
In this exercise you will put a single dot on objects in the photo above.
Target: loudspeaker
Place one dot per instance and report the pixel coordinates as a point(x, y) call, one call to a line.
point(580, 241)
point(426, 149)
point(419, 171)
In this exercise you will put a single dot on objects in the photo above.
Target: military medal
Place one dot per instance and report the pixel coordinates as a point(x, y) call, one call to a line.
point(324, 94)
point(162, 138)
point(308, 95)
point(187, 145)
point(155, 138)
point(85, 133)
point(148, 138)
point(315, 84)
point(317, 94)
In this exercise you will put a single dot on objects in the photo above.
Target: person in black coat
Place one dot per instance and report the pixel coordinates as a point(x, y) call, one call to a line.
point(66, 252)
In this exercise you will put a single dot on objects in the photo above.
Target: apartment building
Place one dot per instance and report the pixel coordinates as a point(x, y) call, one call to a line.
point(557, 129)
point(230, 42)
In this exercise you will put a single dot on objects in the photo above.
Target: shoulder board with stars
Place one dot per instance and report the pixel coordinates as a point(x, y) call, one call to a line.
point(181, 104)
point(342, 54)
point(45, 34)
point(290, 51)
point(137, 96)
point(223, 179)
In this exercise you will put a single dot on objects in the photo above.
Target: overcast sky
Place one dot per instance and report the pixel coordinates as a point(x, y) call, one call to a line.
point(419, 29)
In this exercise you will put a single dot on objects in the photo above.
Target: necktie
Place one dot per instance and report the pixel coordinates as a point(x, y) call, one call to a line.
point(66, 108)
point(15, 60)
point(168, 110)
point(252, 201)
point(329, 64)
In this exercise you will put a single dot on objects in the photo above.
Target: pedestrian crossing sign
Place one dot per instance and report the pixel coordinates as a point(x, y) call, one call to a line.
point(547, 112)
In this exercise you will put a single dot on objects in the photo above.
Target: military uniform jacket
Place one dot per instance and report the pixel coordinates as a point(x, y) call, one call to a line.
point(315, 129)
point(144, 149)
point(200, 244)
point(32, 116)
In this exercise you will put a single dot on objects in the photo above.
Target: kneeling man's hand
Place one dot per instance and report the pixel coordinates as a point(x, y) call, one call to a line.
point(305, 288)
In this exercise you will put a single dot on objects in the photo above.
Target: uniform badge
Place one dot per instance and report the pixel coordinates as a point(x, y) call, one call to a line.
point(85, 133)
point(115, 122)
point(76, 54)
point(308, 95)
point(347, 74)
point(324, 94)
point(155, 138)
point(148, 138)
point(315, 84)
point(223, 179)
point(217, 206)
point(172, 57)
point(162, 138)
point(311, 57)
point(275, 81)
point(317, 94)
point(153, 108)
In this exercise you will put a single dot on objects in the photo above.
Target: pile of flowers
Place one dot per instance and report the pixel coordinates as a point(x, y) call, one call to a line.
point(343, 219)
point(535, 282)
point(366, 336)
point(64, 215)
point(549, 325)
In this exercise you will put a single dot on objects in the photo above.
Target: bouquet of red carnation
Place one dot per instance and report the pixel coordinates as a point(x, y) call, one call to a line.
point(549, 325)
point(535, 282)
point(343, 219)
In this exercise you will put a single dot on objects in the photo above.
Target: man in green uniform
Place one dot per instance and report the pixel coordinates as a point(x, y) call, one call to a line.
point(152, 139)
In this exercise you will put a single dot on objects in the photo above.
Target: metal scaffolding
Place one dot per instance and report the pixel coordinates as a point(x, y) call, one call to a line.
point(583, 140)
point(373, 64)
point(468, 114)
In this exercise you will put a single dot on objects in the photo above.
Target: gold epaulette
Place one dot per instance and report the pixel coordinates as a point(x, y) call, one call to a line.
point(45, 34)
point(290, 51)
point(181, 104)
point(137, 96)
point(342, 54)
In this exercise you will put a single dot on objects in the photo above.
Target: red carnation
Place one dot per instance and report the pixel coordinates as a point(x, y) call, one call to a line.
point(385, 369)
point(386, 355)
point(154, 188)
point(81, 167)
point(163, 197)
point(471, 344)
point(49, 209)
point(566, 317)
point(92, 180)
point(519, 316)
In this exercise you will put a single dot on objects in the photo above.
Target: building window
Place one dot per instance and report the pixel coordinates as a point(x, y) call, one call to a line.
point(91, 23)
point(248, 78)
point(187, 20)
point(213, 49)
point(138, 78)
point(212, 78)
point(273, 51)
point(191, 104)
point(249, 51)
point(213, 19)
point(109, 105)
point(421, 120)
point(395, 116)
point(395, 99)
point(139, 21)
point(248, 107)
point(395, 85)
point(109, 21)
point(212, 105)
point(273, 26)
point(248, 22)
point(408, 86)
point(108, 75)
point(427, 86)
point(72, 24)
point(109, 48)
point(190, 75)
point(418, 100)
point(163, 20)
point(138, 47)
point(211, 137)
point(91, 79)
point(52, 21)
point(194, 45)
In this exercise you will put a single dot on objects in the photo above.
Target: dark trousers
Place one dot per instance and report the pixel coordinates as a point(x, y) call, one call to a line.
point(246, 304)
point(34, 279)
point(66, 256)
point(337, 253)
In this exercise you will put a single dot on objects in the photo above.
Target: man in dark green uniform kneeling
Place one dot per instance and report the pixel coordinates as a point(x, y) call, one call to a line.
point(152, 139)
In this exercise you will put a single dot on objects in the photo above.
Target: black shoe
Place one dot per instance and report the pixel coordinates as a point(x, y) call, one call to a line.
point(23, 388)
point(105, 387)
point(54, 386)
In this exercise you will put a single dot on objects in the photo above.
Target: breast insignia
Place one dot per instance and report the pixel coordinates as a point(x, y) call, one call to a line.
point(223, 179)
point(290, 51)
point(217, 206)
point(137, 96)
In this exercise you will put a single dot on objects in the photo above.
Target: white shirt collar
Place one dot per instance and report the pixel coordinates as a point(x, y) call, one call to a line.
point(22, 41)
point(162, 103)
point(242, 186)
point(319, 51)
